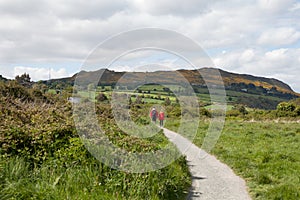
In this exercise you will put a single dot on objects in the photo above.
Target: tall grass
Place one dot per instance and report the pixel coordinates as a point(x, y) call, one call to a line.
point(19, 180)
point(42, 157)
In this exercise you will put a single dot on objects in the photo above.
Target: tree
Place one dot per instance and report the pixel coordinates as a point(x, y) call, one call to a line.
point(58, 88)
point(24, 80)
point(138, 99)
point(101, 97)
point(241, 109)
point(40, 86)
point(129, 99)
point(286, 107)
point(167, 101)
point(166, 89)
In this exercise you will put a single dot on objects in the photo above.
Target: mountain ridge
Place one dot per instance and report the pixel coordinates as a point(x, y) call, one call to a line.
point(195, 77)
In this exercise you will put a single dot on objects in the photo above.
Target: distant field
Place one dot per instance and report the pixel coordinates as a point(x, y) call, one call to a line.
point(237, 94)
point(259, 101)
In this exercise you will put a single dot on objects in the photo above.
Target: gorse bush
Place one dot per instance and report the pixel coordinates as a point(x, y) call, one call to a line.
point(42, 157)
point(34, 130)
point(288, 109)
point(32, 125)
point(14, 90)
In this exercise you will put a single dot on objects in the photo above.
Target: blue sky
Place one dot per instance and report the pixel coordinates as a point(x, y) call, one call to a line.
point(259, 37)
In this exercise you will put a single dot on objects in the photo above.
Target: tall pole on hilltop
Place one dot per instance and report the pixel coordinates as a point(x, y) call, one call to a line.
point(49, 74)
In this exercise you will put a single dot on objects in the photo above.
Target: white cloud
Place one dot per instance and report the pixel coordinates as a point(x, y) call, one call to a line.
point(68, 30)
point(173, 7)
point(87, 10)
point(247, 56)
point(279, 36)
point(40, 73)
point(295, 7)
point(275, 6)
point(34, 33)
point(282, 64)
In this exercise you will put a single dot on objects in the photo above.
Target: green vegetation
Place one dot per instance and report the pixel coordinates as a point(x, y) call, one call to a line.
point(42, 157)
point(250, 91)
point(265, 153)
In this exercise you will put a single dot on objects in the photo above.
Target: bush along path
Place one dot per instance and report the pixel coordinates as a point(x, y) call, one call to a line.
point(211, 179)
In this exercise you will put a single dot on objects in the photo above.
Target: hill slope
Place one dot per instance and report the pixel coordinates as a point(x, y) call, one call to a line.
point(232, 81)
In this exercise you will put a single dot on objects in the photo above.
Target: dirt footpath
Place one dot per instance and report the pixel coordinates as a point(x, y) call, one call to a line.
point(211, 179)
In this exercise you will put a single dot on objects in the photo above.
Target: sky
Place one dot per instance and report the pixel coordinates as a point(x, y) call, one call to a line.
point(258, 37)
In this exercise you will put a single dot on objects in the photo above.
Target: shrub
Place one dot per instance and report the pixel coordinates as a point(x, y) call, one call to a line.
point(204, 112)
point(241, 109)
point(238, 110)
point(167, 101)
point(101, 97)
point(287, 109)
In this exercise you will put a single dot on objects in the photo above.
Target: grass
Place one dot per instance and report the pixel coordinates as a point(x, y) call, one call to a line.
point(233, 97)
point(148, 98)
point(158, 87)
point(44, 158)
point(19, 180)
point(49, 181)
point(265, 154)
point(237, 94)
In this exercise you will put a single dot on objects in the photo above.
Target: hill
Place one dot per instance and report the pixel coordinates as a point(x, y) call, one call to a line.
point(232, 81)
point(248, 90)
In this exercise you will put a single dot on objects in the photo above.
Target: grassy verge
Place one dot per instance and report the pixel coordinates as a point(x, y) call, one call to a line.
point(265, 154)
point(92, 180)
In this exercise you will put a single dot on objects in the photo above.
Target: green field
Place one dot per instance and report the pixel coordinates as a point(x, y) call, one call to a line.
point(266, 154)
point(156, 93)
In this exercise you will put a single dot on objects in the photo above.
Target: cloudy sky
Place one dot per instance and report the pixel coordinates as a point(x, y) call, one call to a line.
point(259, 37)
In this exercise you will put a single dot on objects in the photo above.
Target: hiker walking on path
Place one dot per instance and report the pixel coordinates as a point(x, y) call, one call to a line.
point(161, 117)
point(153, 115)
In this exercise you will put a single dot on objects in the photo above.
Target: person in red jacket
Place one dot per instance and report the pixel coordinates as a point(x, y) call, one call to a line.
point(161, 117)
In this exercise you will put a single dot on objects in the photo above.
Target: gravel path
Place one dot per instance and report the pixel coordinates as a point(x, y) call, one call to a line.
point(211, 179)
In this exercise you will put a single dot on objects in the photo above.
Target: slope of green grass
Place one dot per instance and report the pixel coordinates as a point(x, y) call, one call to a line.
point(265, 154)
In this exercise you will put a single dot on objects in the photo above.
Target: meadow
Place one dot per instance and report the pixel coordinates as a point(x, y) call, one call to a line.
point(265, 153)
